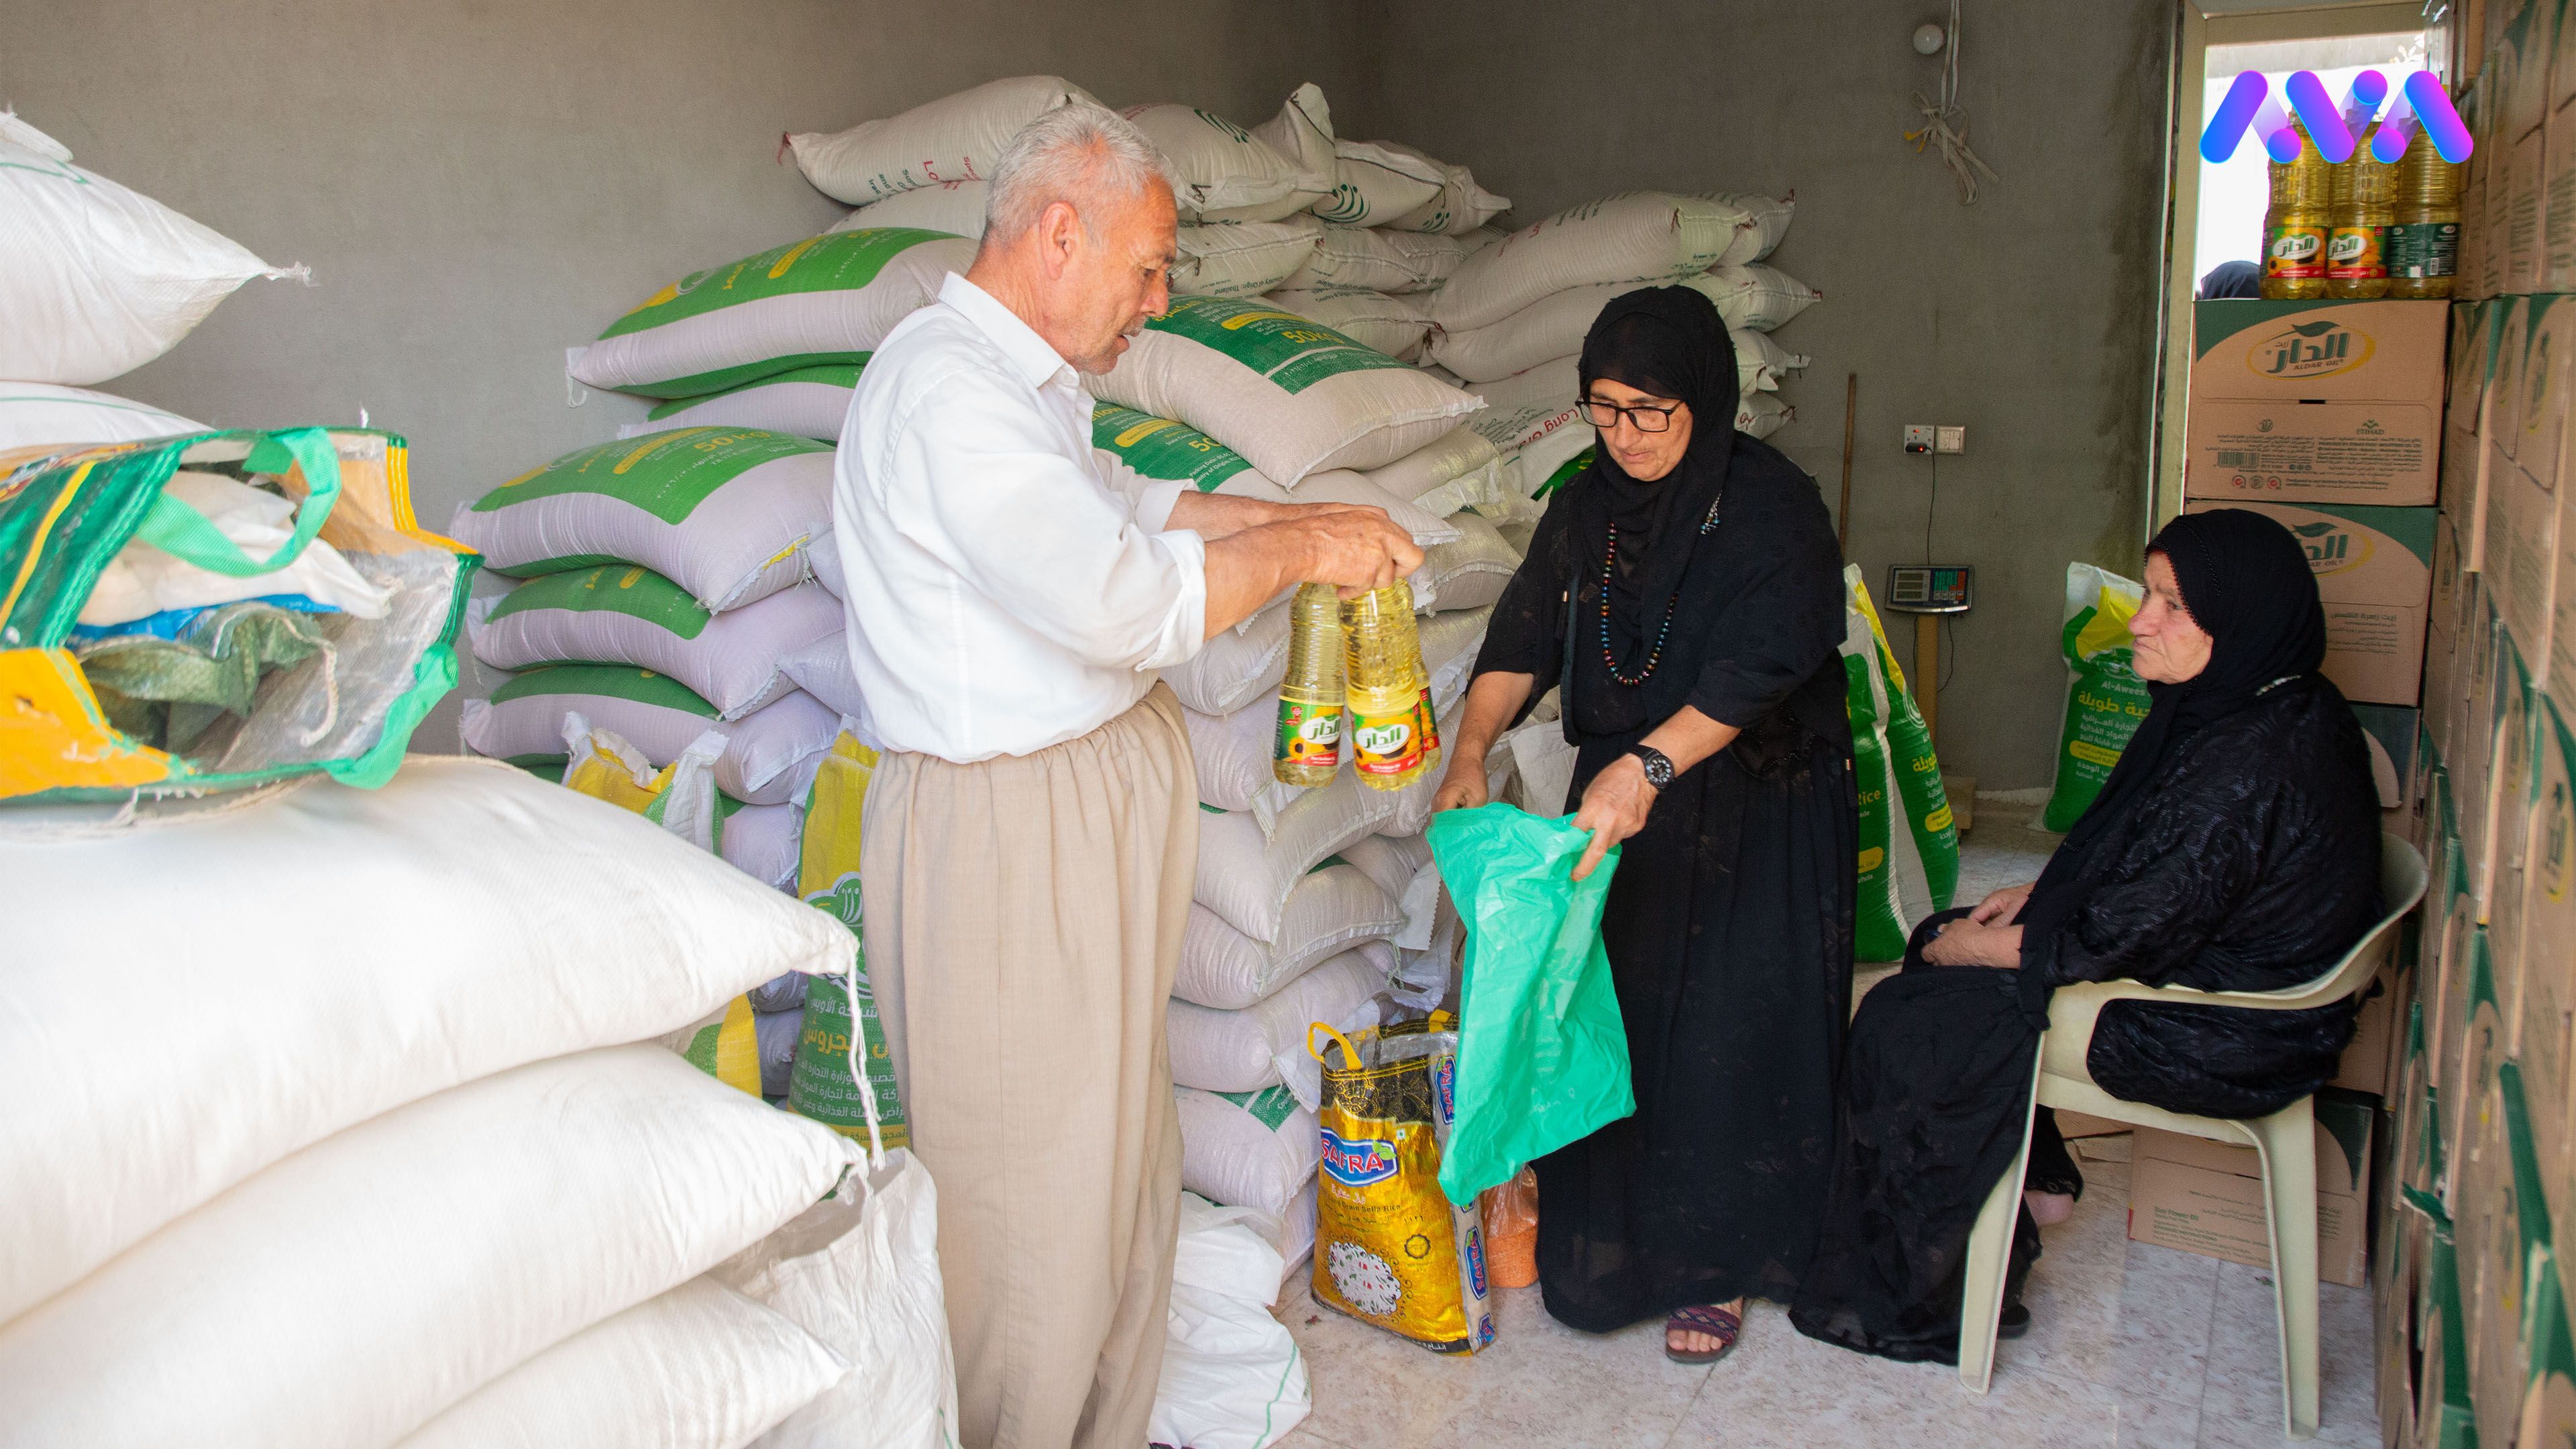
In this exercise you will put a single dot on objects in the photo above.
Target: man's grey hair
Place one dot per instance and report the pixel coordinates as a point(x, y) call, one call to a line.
point(1079, 154)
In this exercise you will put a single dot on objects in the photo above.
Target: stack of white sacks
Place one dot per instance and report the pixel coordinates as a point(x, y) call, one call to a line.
point(410, 1167)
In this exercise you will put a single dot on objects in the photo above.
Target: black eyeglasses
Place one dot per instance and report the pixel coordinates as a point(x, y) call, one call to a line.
point(1605, 416)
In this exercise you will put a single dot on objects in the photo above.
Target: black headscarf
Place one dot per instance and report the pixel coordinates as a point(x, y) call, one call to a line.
point(2247, 584)
point(1668, 342)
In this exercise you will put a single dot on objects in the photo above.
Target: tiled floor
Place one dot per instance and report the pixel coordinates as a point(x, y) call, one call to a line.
point(2129, 1345)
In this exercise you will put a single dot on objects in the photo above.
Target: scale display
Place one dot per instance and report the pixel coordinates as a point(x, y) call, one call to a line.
point(1928, 588)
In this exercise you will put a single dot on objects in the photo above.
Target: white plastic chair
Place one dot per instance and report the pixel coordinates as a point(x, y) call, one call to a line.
point(2286, 1141)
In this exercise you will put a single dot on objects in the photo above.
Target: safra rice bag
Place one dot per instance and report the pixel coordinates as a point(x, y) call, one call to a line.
point(1640, 238)
point(828, 298)
point(769, 754)
point(950, 139)
point(2105, 699)
point(725, 513)
point(627, 614)
point(810, 402)
point(1289, 394)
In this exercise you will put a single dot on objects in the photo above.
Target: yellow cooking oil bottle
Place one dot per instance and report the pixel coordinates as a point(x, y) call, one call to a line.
point(1307, 750)
point(2295, 227)
point(1382, 674)
point(2424, 237)
point(2362, 196)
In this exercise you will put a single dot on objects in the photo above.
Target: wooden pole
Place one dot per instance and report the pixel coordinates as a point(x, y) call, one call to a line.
point(1927, 674)
point(1842, 515)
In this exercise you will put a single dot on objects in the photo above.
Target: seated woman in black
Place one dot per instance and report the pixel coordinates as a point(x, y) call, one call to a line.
point(2235, 847)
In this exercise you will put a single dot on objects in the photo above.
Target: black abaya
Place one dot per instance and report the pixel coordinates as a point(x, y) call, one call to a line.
point(1729, 921)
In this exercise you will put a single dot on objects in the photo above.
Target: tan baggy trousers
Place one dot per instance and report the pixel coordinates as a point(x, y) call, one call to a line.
point(1024, 918)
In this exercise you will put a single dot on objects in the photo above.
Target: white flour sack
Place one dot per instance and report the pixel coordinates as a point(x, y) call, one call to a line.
point(770, 754)
point(725, 513)
point(1170, 451)
point(1459, 208)
point(1336, 909)
point(1459, 469)
point(1760, 363)
point(543, 895)
point(810, 402)
point(349, 1293)
point(700, 1364)
point(1303, 133)
point(1379, 260)
point(829, 298)
point(96, 280)
point(954, 138)
point(1755, 298)
point(1642, 238)
point(1247, 1149)
point(1239, 1051)
point(624, 614)
point(1770, 216)
point(1247, 877)
point(822, 669)
point(40, 415)
point(1227, 173)
point(1242, 258)
point(955, 207)
point(1289, 394)
point(1391, 324)
point(1375, 183)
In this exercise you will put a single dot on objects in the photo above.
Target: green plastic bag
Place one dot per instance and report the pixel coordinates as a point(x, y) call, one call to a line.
point(2105, 699)
point(1542, 1053)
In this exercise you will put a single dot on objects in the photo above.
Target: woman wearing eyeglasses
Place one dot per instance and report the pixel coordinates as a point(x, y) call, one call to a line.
point(1684, 593)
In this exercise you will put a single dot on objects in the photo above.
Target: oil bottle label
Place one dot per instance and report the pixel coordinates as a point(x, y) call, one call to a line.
point(2423, 249)
point(1426, 723)
point(2355, 252)
point(1309, 734)
point(2294, 251)
point(1385, 744)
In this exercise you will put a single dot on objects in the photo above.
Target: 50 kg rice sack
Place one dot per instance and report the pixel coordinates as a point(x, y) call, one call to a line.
point(626, 614)
point(830, 298)
point(1336, 909)
point(769, 753)
point(1556, 324)
point(1227, 173)
point(96, 280)
point(1390, 860)
point(1770, 217)
point(352, 1291)
point(1379, 260)
point(1247, 876)
point(1376, 183)
point(1246, 1149)
point(955, 207)
point(726, 514)
point(1236, 667)
point(1239, 1051)
point(545, 895)
point(1242, 258)
point(810, 402)
point(1757, 298)
point(1459, 469)
point(1303, 133)
point(1531, 415)
point(1759, 415)
point(822, 669)
point(41, 415)
point(1470, 573)
point(1461, 207)
point(1163, 449)
point(761, 841)
point(1641, 238)
point(1388, 323)
point(954, 138)
point(1761, 363)
point(1288, 394)
point(2105, 699)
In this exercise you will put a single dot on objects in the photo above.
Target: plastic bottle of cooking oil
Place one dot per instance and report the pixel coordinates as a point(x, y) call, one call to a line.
point(1382, 673)
point(2362, 195)
point(1307, 750)
point(2424, 239)
point(2294, 229)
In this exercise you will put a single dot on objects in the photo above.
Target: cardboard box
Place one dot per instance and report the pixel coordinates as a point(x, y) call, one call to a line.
point(2390, 732)
point(2463, 974)
point(2469, 1071)
point(2472, 759)
point(2495, 252)
point(2206, 1197)
point(2374, 570)
point(2394, 1287)
point(2443, 1417)
point(2471, 357)
point(2523, 56)
point(2558, 219)
point(2549, 1399)
point(2363, 1067)
point(2328, 402)
point(2524, 214)
point(2503, 1236)
point(2544, 1028)
point(2522, 546)
point(2562, 580)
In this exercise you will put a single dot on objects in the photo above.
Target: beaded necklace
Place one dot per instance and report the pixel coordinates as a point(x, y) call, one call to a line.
point(1654, 656)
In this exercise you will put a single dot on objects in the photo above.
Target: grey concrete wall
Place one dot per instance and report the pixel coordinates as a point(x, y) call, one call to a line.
point(2029, 317)
point(478, 184)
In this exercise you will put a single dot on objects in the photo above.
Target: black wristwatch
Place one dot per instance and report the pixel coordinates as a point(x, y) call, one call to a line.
point(1659, 766)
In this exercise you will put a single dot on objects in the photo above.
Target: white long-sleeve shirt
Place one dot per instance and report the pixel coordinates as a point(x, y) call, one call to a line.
point(1009, 586)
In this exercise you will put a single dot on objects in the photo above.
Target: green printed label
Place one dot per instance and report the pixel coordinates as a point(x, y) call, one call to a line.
point(1163, 449)
point(829, 374)
point(820, 1087)
point(1293, 352)
point(615, 588)
point(1567, 471)
point(2103, 709)
point(1270, 1106)
point(2424, 249)
point(1878, 932)
point(1919, 789)
point(666, 474)
point(1309, 734)
point(835, 262)
point(611, 681)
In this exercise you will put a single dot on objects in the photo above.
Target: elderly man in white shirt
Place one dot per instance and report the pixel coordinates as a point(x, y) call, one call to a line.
point(1031, 836)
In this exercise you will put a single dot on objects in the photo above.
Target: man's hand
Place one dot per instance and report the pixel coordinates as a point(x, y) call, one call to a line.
point(1353, 548)
point(1464, 786)
point(1614, 808)
point(1965, 943)
point(2002, 908)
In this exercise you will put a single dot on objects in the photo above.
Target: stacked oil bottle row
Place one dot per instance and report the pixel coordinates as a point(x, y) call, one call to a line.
point(2361, 227)
point(1360, 657)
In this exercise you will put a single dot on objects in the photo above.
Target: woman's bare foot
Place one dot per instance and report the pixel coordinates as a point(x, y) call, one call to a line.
point(2048, 1209)
point(1683, 1340)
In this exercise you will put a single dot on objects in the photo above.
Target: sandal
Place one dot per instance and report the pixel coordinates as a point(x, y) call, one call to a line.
point(2014, 1322)
point(1722, 1324)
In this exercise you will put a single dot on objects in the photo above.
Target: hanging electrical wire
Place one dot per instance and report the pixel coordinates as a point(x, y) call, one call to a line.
point(1946, 124)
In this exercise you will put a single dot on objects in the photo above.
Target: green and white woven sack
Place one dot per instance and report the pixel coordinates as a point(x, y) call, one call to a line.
point(1391, 324)
point(811, 402)
point(1242, 258)
point(628, 614)
point(769, 756)
point(1639, 238)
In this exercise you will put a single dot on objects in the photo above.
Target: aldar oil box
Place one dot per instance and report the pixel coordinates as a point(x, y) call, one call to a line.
point(2374, 571)
point(2316, 402)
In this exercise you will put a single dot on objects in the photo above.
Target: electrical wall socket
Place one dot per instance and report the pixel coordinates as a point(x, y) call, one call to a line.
point(1918, 437)
point(1950, 440)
